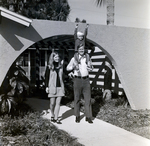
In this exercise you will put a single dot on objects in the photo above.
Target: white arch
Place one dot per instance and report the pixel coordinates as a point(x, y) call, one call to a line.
point(124, 47)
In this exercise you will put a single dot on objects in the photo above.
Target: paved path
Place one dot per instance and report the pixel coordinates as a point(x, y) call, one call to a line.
point(99, 133)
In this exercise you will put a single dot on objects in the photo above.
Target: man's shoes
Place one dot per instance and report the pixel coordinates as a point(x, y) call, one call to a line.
point(52, 119)
point(77, 120)
point(58, 121)
point(88, 120)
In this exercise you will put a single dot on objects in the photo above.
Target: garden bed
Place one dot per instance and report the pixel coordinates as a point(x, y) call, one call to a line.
point(30, 129)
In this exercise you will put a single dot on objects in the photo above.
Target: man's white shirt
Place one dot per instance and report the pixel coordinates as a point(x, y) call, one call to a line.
point(82, 66)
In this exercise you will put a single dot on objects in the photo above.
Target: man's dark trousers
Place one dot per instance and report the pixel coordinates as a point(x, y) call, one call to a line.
point(82, 86)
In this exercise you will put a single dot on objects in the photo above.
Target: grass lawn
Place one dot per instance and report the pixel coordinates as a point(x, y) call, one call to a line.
point(136, 121)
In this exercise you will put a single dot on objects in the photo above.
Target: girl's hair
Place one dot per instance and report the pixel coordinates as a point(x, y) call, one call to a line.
point(51, 60)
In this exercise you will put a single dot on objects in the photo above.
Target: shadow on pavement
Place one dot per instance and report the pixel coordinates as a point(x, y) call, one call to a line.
point(69, 113)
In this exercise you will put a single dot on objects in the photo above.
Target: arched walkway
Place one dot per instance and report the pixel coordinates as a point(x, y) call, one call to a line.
point(124, 47)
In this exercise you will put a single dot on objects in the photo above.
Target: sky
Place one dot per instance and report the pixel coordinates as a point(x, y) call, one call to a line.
point(128, 13)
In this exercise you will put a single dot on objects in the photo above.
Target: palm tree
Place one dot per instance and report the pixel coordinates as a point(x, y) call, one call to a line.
point(110, 10)
point(110, 21)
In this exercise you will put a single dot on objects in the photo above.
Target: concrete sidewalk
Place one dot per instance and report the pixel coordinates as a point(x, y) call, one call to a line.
point(99, 133)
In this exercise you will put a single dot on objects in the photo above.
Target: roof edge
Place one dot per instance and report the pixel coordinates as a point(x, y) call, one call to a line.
point(15, 17)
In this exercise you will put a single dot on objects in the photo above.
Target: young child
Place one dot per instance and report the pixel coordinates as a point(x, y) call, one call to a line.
point(80, 38)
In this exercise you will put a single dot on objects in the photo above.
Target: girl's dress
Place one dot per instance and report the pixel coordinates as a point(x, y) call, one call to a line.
point(59, 91)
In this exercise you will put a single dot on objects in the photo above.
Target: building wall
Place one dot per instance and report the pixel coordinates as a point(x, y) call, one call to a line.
point(127, 48)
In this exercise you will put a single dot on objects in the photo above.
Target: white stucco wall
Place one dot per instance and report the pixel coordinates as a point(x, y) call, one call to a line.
point(128, 49)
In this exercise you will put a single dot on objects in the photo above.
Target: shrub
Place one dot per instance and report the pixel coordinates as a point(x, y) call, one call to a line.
point(34, 130)
point(13, 127)
point(15, 90)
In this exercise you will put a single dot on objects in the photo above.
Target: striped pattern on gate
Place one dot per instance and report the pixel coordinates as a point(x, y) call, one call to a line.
point(97, 75)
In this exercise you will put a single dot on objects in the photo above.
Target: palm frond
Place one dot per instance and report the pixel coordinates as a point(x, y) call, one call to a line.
point(100, 2)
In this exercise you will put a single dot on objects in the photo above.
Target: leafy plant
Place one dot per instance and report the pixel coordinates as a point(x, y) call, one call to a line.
point(15, 92)
point(6, 103)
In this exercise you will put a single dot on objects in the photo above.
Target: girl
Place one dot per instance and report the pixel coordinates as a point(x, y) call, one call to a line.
point(55, 85)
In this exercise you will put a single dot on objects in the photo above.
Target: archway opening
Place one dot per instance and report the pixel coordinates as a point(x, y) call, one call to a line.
point(35, 59)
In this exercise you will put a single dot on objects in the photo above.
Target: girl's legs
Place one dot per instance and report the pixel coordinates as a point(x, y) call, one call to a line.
point(57, 107)
point(52, 106)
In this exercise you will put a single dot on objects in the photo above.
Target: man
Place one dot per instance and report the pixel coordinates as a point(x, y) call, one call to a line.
point(81, 84)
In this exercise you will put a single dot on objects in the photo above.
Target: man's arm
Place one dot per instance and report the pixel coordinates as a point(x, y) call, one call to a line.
point(90, 66)
point(70, 66)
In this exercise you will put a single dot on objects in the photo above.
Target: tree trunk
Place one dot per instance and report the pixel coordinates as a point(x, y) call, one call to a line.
point(110, 12)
